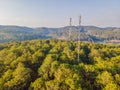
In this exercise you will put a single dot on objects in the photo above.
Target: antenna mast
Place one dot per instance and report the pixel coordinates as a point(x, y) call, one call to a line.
point(70, 29)
point(79, 39)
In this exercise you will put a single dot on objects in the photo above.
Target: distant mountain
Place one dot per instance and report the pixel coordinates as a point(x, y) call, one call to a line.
point(87, 33)
point(18, 33)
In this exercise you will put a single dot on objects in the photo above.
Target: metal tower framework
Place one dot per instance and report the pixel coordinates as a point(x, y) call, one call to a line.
point(78, 36)
point(79, 39)
point(70, 23)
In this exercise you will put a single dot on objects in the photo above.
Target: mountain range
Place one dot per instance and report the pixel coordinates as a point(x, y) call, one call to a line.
point(87, 33)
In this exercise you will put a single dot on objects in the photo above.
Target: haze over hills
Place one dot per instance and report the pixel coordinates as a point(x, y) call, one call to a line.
point(87, 33)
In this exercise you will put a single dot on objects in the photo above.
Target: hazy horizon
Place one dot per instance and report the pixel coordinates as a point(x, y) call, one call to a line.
point(46, 13)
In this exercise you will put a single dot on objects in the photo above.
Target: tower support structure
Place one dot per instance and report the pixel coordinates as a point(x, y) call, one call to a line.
point(79, 26)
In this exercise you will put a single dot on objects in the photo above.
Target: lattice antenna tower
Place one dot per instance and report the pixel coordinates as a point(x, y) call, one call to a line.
point(79, 26)
point(70, 23)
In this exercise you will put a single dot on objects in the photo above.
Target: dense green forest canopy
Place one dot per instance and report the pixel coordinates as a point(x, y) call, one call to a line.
point(53, 65)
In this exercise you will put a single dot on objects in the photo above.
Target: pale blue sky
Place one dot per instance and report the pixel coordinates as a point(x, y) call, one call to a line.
point(56, 13)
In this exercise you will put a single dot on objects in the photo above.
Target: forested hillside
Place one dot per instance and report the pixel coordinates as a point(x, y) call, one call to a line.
point(87, 33)
point(53, 65)
point(19, 33)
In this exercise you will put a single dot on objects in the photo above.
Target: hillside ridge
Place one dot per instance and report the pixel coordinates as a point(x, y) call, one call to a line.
point(19, 33)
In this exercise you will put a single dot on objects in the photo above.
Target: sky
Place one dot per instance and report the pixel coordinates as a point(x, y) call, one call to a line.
point(56, 13)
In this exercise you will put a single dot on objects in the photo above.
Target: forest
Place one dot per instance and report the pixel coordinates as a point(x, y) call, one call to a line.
point(54, 65)
point(87, 33)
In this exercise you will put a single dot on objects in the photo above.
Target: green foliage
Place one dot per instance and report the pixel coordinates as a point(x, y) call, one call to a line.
point(20, 77)
point(112, 86)
point(38, 84)
point(104, 78)
point(53, 65)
